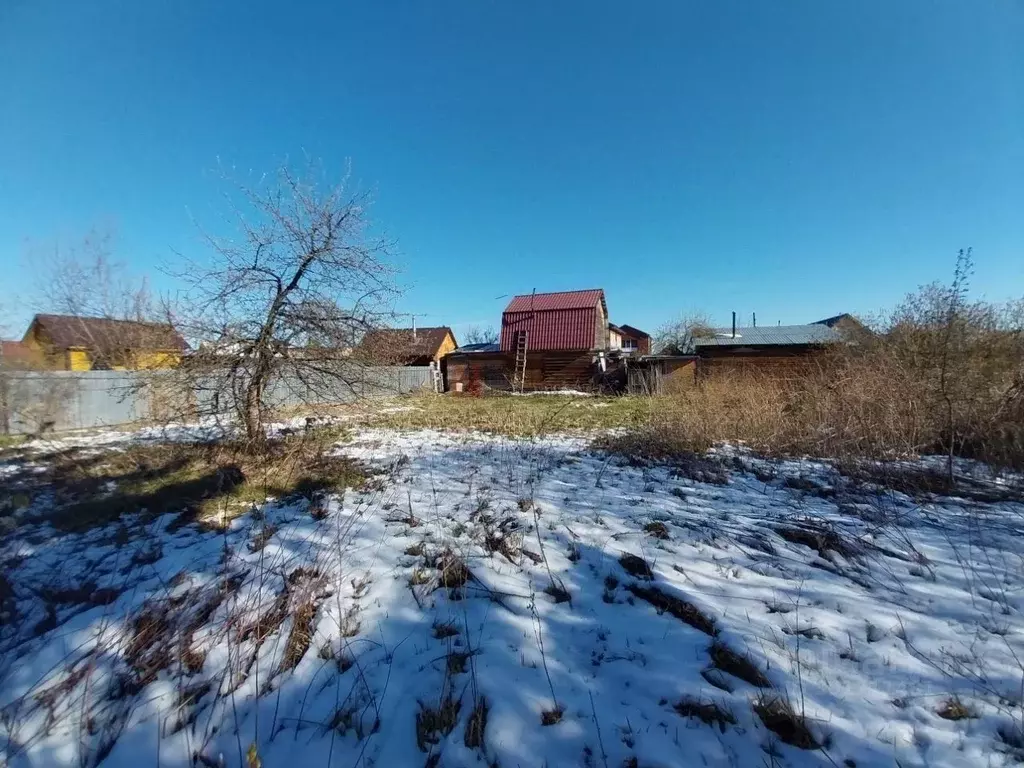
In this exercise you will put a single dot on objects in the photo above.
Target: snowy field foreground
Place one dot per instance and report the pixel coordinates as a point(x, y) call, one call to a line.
point(486, 601)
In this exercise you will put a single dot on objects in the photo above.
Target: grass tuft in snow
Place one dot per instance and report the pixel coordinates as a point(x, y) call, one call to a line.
point(707, 712)
point(741, 667)
point(452, 571)
point(954, 709)
point(780, 718)
point(433, 723)
point(657, 530)
point(558, 592)
point(444, 630)
point(676, 606)
point(209, 482)
point(477, 724)
point(456, 662)
point(821, 538)
point(552, 716)
point(635, 566)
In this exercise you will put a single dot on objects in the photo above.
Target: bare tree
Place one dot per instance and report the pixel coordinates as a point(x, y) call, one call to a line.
point(85, 280)
point(676, 337)
point(102, 307)
point(476, 334)
point(284, 303)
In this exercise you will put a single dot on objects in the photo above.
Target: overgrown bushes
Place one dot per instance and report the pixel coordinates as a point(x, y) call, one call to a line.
point(940, 374)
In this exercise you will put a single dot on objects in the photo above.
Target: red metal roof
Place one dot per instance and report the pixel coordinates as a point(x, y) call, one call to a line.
point(554, 321)
point(542, 302)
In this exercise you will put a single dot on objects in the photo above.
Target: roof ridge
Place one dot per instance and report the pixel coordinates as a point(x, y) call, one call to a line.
point(558, 293)
point(103, 318)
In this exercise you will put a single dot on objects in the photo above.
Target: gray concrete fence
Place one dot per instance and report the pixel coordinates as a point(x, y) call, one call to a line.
point(34, 401)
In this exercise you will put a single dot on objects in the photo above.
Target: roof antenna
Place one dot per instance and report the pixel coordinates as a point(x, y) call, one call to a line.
point(734, 325)
point(755, 318)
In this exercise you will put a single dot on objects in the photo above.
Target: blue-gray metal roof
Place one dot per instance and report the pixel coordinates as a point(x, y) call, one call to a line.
point(472, 348)
point(774, 335)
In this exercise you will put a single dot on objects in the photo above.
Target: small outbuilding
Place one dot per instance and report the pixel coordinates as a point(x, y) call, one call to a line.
point(407, 346)
point(74, 343)
point(773, 348)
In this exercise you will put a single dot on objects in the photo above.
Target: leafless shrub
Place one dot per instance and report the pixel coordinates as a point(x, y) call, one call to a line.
point(938, 374)
point(476, 334)
point(676, 337)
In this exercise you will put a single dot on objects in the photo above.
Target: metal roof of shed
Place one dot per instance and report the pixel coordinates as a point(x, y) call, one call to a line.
point(770, 335)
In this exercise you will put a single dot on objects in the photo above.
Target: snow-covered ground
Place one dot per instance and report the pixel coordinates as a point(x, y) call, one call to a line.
point(487, 601)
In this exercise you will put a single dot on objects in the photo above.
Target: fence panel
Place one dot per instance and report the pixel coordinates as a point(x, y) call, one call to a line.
point(33, 401)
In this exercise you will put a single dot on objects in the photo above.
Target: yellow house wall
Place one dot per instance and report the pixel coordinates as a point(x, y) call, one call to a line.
point(81, 359)
point(448, 345)
point(151, 360)
point(78, 360)
point(49, 358)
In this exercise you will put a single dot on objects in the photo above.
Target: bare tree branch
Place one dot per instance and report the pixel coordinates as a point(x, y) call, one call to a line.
point(284, 303)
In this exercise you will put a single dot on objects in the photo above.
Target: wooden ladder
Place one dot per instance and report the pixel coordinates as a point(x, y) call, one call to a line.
point(519, 372)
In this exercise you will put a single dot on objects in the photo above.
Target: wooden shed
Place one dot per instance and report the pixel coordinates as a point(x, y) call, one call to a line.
point(554, 341)
point(774, 349)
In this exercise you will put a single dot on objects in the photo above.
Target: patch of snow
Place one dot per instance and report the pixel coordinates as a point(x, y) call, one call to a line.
point(895, 609)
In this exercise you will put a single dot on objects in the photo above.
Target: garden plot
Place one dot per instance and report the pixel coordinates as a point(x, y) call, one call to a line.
point(482, 600)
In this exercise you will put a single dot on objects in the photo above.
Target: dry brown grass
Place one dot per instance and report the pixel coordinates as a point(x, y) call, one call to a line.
point(707, 712)
point(634, 566)
point(686, 612)
point(208, 483)
point(780, 718)
point(433, 722)
point(955, 709)
point(739, 666)
point(845, 408)
point(552, 716)
point(477, 724)
point(940, 373)
point(511, 415)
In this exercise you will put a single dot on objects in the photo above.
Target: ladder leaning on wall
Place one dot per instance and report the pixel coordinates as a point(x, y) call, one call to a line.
point(519, 372)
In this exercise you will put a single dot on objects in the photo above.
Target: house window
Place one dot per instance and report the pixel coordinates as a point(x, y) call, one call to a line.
point(629, 344)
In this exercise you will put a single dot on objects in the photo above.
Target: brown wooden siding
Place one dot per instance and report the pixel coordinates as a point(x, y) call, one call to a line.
point(783, 361)
point(544, 370)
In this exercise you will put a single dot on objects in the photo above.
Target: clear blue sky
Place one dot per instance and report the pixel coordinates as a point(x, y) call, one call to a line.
point(796, 159)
